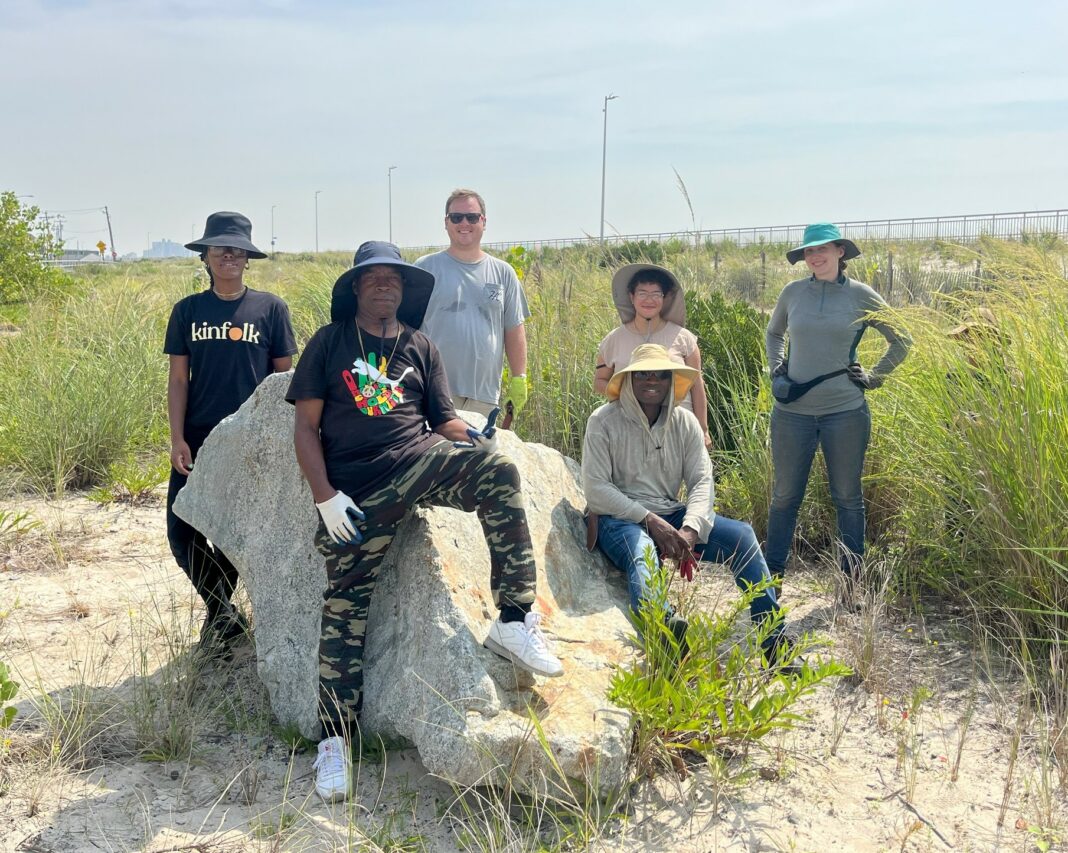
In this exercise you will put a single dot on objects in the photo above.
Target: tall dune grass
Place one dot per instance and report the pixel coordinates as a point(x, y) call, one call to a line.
point(966, 476)
point(970, 446)
point(83, 385)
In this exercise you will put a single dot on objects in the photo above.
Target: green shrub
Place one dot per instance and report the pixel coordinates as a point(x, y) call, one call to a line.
point(24, 243)
point(717, 693)
point(731, 338)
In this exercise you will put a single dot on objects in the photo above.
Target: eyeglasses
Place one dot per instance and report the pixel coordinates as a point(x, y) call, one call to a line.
point(457, 218)
point(219, 251)
point(652, 374)
point(654, 295)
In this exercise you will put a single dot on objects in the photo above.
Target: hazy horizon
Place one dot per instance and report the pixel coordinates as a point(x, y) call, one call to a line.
point(782, 114)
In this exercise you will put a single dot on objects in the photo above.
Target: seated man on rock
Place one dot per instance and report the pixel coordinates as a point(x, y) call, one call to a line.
point(639, 450)
point(366, 389)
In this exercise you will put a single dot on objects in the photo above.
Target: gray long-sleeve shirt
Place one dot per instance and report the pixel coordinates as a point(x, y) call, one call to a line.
point(630, 469)
point(822, 319)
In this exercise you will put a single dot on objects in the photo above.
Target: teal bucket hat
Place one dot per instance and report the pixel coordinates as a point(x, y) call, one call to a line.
point(818, 234)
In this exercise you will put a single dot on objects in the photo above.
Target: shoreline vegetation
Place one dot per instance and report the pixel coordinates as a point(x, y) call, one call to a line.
point(966, 484)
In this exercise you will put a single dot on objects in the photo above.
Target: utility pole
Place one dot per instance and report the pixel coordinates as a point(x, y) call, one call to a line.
point(111, 237)
point(604, 156)
point(389, 178)
point(273, 206)
point(317, 221)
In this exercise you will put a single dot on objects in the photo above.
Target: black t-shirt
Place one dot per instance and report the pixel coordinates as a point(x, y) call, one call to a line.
point(230, 345)
point(372, 425)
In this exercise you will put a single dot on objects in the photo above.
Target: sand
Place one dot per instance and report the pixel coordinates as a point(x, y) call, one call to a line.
point(96, 620)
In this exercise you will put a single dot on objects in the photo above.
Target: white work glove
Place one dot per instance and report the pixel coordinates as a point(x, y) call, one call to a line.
point(486, 440)
point(340, 516)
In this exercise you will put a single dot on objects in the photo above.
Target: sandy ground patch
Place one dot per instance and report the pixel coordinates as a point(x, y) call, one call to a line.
point(96, 622)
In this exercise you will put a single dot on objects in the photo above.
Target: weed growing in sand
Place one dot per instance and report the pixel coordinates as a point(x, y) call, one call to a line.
point(132, 482)
point(910, 739)
point(715, 693)
point(172, 697)
point(82, 723)
point(8, 688)
point(14, 524)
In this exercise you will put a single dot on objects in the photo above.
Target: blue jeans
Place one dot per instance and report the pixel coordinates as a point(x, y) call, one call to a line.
point(624, 543)
point(843, 437)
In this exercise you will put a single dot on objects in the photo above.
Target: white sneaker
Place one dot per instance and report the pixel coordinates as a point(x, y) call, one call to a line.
point(333, 770)
point(524, 645)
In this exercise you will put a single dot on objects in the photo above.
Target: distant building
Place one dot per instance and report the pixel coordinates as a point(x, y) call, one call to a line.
point(167, 249)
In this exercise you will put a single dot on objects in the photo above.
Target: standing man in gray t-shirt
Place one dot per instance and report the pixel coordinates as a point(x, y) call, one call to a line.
point(476, 313)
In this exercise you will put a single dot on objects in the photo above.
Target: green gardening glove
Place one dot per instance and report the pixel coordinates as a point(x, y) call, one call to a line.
point(516, 394)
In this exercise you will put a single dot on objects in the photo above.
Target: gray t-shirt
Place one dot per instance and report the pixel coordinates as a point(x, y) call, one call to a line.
point(471, 307)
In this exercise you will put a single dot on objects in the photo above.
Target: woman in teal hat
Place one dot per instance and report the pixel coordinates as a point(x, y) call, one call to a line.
point(823, 317)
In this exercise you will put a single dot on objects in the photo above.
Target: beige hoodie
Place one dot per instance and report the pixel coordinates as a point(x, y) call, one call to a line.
point(630, 469)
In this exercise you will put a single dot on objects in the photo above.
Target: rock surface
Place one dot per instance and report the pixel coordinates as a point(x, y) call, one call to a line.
point(427, 678)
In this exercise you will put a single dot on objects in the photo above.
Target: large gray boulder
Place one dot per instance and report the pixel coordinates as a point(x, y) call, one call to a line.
point(472, 716)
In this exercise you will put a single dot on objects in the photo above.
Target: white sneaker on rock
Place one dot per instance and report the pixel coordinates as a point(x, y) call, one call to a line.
point(524, 645)
point(333, 769)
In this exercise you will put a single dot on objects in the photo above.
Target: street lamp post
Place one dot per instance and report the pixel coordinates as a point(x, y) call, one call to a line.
point(317, 221)
point(389, 179)
point(273, 206)
point(604, 156)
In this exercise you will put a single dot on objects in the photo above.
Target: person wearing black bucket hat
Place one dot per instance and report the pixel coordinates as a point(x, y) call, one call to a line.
point(819, 389)
point(376, 433)
point(222, 342)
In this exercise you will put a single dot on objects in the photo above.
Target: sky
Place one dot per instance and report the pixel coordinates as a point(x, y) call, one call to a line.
point(772, 113)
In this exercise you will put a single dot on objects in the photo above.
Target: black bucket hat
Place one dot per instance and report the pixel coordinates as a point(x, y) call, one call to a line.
point(418, 284)
point(227, 228)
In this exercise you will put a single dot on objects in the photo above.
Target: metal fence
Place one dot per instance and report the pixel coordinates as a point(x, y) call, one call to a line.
point(964, 228)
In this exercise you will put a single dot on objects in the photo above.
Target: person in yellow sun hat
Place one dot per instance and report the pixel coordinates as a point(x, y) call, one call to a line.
point(640, 449)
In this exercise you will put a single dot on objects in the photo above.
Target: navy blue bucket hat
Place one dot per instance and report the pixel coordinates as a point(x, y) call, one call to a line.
point(227, 228)
point(418, 284)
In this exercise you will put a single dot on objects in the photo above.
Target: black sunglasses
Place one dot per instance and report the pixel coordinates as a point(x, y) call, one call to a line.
point(652, 374)
point(457, 218)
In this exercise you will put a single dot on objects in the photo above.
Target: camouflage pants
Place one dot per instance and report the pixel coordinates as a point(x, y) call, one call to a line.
point(444, 476)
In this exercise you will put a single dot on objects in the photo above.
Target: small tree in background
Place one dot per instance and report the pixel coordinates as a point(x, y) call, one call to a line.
point(24, 243)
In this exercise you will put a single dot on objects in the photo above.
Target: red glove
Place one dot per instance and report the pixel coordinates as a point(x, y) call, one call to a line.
point(686, 566)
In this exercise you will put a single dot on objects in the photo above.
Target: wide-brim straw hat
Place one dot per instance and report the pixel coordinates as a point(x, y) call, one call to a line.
point(981, 322)
point(654, 357)
point(818, 234)
point(673, 308)
point(227, 228)
point(418, 284)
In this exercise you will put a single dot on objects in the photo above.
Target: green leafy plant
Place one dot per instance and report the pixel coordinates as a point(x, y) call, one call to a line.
point(14, 524)
point(716, 693)
point(8, 689)
point(731, 338)
point(132, 482)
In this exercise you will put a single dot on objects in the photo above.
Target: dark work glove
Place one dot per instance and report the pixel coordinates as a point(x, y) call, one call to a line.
point(484, 440)
point(864, 378)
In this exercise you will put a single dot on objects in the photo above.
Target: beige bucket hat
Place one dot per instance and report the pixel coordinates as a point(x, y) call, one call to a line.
point(674, 308)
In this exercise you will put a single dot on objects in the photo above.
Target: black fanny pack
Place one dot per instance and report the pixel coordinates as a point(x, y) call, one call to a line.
point(785, 390)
